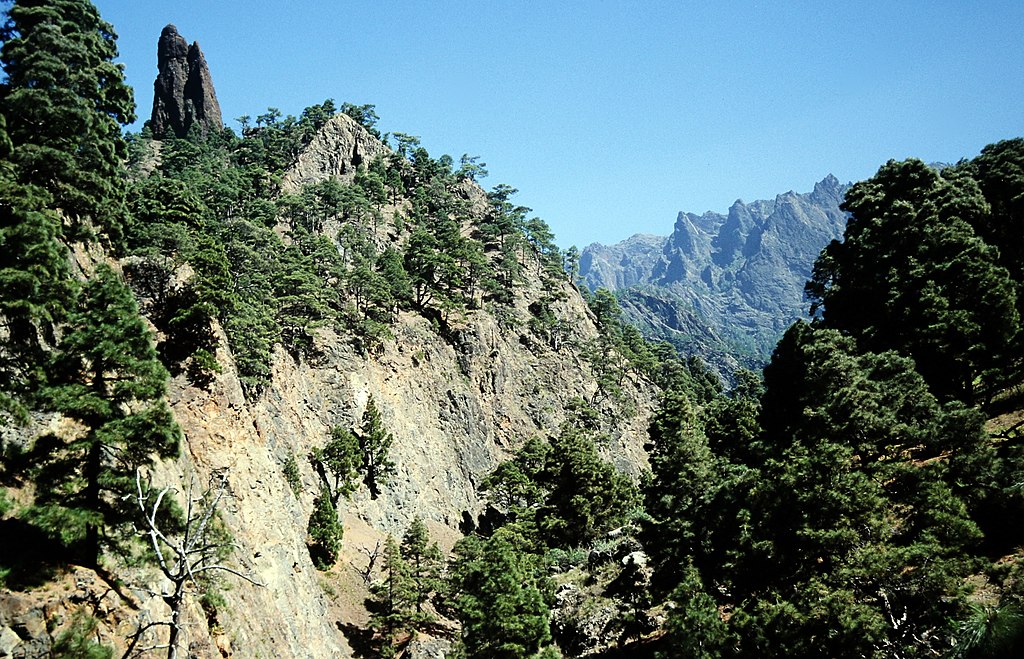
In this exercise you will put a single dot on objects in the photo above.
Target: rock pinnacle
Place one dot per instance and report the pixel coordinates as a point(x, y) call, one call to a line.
point(183, 93)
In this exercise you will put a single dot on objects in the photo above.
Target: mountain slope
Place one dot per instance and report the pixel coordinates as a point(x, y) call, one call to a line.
point(457, 402)
point(723, 286)
point(460, 388)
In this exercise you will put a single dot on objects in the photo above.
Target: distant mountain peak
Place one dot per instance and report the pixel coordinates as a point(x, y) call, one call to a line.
point(739, 275)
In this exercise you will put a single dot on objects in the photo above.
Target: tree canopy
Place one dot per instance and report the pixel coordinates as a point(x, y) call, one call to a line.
point(912, 275)
point(105, 376)
point(79, 350)
point(65, 101)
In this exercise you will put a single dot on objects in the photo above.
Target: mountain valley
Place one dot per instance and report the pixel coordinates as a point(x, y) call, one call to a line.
point(724, 287)
point(306, 390)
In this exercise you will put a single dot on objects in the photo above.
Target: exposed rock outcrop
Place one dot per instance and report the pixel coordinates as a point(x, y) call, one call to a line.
point(337, 150)
point(183, 93)
point(623, 264)
point(458, 400)
point(457, 403)
point(723, 286)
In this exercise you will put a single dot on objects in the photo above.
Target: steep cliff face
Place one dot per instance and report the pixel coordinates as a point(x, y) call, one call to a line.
point(459, 396)
point(723, 286)
point(183, 94)
point(337, 150)
point(623, 264)
point(457, 405)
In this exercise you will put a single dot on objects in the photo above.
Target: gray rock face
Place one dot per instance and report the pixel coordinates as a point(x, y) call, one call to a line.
point(723, 286)
point(336, 151)
point(625, 264)
point(183, 93)
point(456, 406)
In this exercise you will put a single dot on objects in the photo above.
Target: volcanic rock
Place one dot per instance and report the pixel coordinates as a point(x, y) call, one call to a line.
point(183, 93)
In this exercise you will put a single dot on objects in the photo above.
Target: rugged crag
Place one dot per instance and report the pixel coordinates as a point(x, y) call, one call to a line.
point(458, 402)
point(183, 93)
point(337, 150)
point(460, 393)
point(623, 264)
point(457, 406)
point(723, 286)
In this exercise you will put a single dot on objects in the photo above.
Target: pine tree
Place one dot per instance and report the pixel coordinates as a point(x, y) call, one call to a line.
point(394, 596)
point(586, 496)
point(498, 594)
point(34, 287)
point(694, 627)
point(516, 486)
point(423, 559)
point(338, 463)
point(391, 268)
point(107, 379)
point(861, 539)
point(375, 442)
point(424, 264)
point(682, 486)
point(65, 101)
point(325, 531)
point(999, 171)
point(303, 301)
point(912, 275)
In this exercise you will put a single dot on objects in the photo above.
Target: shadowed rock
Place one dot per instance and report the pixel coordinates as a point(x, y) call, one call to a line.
point(183, 93)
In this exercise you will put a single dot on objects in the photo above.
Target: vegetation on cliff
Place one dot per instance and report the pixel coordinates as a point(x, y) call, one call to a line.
point(863, 499)
point(77, 350)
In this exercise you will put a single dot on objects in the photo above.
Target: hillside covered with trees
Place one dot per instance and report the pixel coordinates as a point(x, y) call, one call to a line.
point(308, 390)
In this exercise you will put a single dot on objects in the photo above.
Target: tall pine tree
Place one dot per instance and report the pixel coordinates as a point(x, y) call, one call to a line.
point(498, 594)
point(423, 559)
point(65, 101)
point(375, 442)
point(106, 378)
point(34, 283)
point(393, 597)
point(911, 275)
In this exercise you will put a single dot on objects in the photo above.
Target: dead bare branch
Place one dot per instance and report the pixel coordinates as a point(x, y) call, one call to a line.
point(181, 559)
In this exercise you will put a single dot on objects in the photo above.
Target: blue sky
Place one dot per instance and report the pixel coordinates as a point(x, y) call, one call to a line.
point(611, 117)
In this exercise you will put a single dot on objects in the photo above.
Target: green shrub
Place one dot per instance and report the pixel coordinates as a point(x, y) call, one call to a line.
point(291, 474)
point(75, 642)
point(325, 532)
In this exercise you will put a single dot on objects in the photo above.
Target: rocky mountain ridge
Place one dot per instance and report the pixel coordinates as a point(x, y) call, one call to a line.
point(458, 402)
point(292, 393)
point(723, 286)
point(456, 408)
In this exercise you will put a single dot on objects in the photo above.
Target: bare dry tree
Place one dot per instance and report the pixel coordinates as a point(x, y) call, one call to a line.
point(372, 555)
point(182, 557)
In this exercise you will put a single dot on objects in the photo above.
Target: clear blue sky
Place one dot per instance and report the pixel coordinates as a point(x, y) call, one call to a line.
point(611, 117)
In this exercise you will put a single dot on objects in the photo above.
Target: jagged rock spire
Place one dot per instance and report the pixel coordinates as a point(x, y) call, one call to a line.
point(183, 92)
